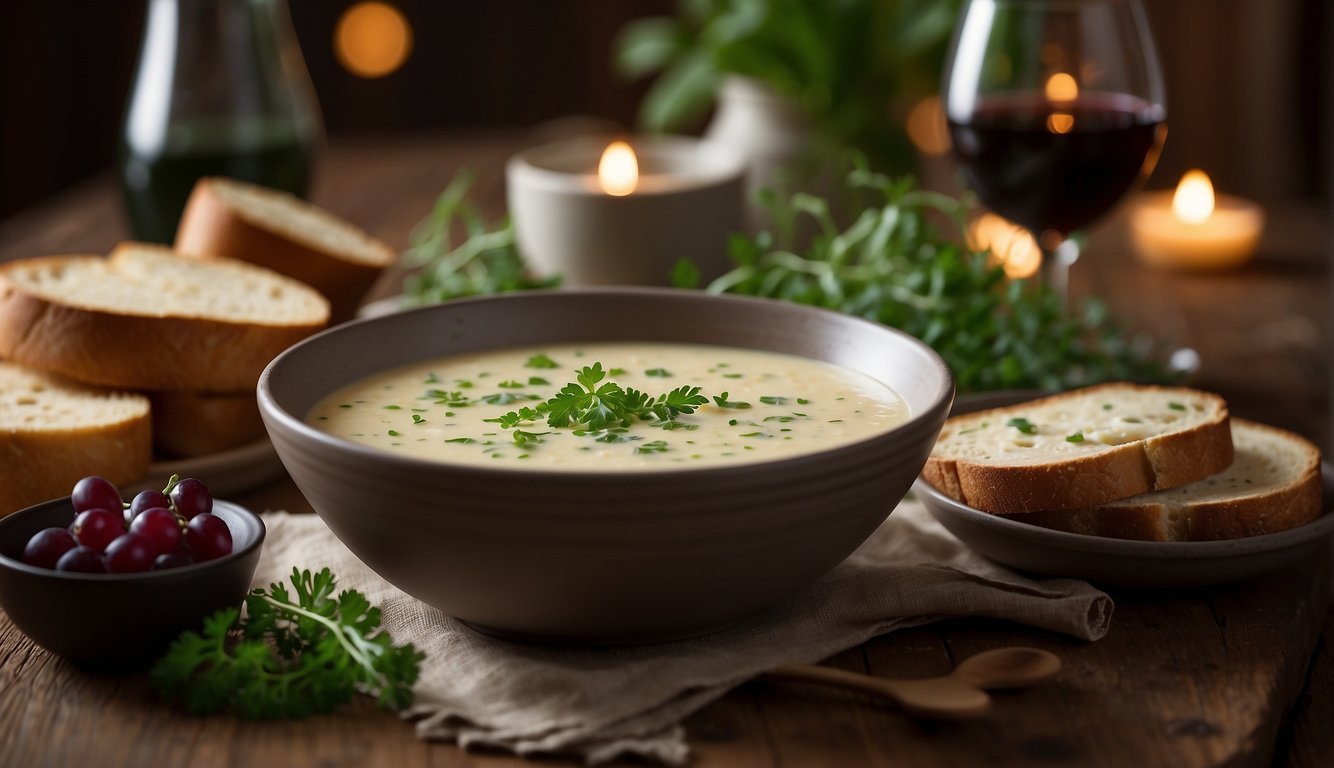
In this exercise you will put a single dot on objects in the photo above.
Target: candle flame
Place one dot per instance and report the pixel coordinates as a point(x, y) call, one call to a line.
point(618, 170)
point(1193, 201)
point(1011, 245)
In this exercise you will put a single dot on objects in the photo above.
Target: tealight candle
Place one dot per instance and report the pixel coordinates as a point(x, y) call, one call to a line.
point(625, 212)
point(1192, 228)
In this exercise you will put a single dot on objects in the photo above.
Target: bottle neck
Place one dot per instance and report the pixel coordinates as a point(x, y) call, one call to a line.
point(219, 65)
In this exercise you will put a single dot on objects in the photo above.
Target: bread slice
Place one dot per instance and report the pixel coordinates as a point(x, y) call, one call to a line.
point(1081, 448)
point(279, 231)
point(54, 431)
point(1272, 485)
point(147, 319)
point(187, 424)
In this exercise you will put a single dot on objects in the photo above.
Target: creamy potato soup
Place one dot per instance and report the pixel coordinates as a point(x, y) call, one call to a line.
point(607, 406)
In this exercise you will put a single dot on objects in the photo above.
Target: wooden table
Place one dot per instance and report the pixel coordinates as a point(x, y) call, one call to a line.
point(1239, 675)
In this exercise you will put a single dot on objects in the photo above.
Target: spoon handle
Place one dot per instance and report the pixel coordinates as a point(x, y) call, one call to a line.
point(936, 697)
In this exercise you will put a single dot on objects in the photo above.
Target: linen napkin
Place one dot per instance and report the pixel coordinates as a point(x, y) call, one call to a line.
point(599, 704)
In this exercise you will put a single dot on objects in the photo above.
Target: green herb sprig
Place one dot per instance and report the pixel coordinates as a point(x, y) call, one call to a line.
point(485, 261)
point(294, 654)
point(592, 404)
point(893, 265)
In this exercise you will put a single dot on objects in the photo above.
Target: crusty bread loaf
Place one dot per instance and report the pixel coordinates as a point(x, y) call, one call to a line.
point(1272, 485)
point(279, 231)
point(189, 424)
point(1081, 448)
point(146, 319)
point(54, 431)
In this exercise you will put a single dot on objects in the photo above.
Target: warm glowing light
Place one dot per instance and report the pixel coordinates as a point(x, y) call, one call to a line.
point(1062, 87)
point(1193, 201)
point(927, 128)
point(1011, 245)
point(618, 170)
point(372, 39)
point(1060, 122)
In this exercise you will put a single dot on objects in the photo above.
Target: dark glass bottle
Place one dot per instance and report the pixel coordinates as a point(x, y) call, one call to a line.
point(221, 90)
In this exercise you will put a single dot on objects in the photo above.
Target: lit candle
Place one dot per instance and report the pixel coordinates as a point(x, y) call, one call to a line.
point(1192, 228)
point(624, 213)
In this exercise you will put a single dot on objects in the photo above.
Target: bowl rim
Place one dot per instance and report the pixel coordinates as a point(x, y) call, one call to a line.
point(165, 574)
point(940, 401)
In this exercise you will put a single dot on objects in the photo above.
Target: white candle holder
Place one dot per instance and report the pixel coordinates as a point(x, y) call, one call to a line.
point(688, 201)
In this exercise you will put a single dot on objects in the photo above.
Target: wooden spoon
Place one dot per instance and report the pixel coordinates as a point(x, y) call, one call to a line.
point(959, 695)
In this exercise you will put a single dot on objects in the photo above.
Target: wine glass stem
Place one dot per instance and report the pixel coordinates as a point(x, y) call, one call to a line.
point(1056, 264)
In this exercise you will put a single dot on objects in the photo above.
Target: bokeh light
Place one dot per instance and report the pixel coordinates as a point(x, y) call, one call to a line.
point(372, 39)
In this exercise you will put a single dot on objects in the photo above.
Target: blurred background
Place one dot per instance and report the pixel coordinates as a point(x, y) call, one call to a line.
point(1246, 99)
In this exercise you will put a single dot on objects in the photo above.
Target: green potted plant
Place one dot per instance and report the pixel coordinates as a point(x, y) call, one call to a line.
point(844, 72)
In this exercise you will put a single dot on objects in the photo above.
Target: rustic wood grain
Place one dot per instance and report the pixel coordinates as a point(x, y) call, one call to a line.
point(1205, 678)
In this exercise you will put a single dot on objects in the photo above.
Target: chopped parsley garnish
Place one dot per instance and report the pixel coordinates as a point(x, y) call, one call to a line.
point(538, 381)
point(590, 403)
point(1176, 406)
point(461, 440)
point(510, 384)
point(723, 402)
point(1077, 437)
point(393, 433)
point(540, 361)
point(656, 446)
point(417, 418)
point(393, 408)
point(658, 373)
point(1023, 425)
point(773, 400)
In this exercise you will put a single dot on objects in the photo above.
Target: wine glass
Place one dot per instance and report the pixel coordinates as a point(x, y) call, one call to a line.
point(1056, 109)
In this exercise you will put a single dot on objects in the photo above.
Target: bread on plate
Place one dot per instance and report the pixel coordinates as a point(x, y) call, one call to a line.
point(282, 232)
point(54, 431)
point(187, 424)
point(147, 319)
point(1272, 485)
point(1081, 448)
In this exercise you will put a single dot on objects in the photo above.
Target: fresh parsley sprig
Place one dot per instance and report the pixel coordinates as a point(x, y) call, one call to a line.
point(294, 654)
point(485, 261)
point(592, 404)
point(893, 264)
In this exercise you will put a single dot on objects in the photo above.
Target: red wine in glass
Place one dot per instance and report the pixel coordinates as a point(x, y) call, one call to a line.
point(1056, 110)
point(1056, 165)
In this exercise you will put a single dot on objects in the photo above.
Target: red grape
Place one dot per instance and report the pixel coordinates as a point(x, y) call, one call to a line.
point(82, 560)
point(176, 558)
point(208, 536)
point(191, 497)
point(96, 528)
point(130, 553)
point(148, 500)
point(93, 492)
point(159, 526)
point(46, 546)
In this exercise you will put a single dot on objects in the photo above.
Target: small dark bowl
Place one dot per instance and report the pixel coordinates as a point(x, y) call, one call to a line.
point(124, 620)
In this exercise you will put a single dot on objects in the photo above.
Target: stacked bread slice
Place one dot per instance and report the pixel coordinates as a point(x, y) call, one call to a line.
point(225, 218)
point(1130, 461)
point(54, 431)
point(193, 335)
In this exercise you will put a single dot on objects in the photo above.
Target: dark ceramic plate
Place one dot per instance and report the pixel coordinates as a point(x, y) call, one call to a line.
point(1120, 562)
point(119, 620)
